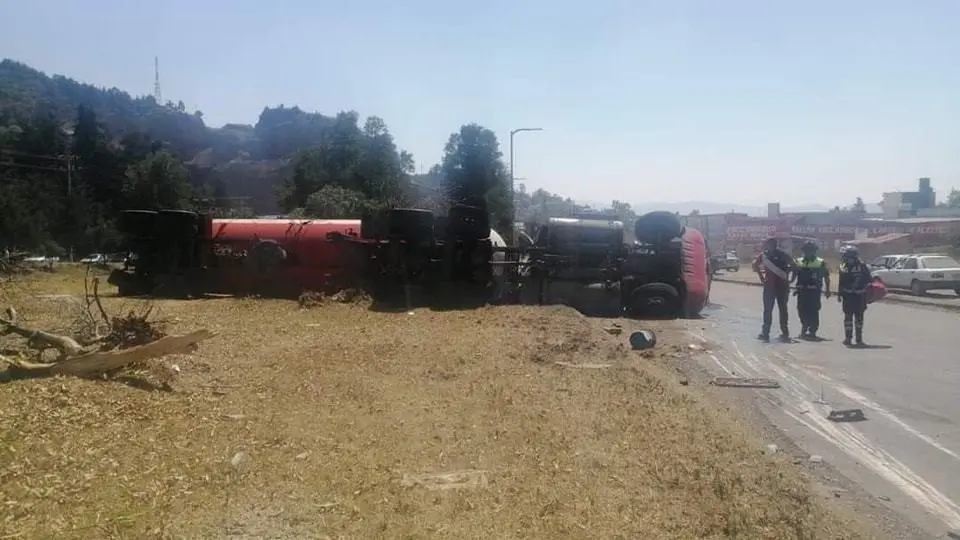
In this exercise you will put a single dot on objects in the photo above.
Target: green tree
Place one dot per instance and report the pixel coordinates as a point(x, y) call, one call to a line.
point(859, 206)
point(96, 167)
point(158, 181)
point(336, 202)
point(953, 198)
point(474, 173)
point(365, 161)
point(22, 223)
point(623, 211)
point(540, 205)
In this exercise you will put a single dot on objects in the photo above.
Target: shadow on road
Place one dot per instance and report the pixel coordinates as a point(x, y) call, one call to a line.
point(928, 295)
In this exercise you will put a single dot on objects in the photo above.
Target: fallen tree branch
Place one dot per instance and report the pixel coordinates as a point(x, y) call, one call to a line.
point(102, 362)
point(40, 340)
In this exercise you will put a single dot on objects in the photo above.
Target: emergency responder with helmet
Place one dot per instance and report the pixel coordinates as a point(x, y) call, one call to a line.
point(812, 280)
point(852, 284)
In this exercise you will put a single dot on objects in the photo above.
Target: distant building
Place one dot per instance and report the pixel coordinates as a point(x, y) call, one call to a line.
point(899, 204)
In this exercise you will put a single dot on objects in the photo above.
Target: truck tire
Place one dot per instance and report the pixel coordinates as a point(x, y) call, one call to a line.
point(655, 300)
point(410, 224)
point(138, 224)
point(658, 227)
point(468, 222)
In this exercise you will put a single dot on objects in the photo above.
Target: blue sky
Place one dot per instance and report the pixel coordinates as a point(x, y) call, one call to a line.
point(741, 101)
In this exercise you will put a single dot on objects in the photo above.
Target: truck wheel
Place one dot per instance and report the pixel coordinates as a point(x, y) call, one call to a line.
point(658, 226)
point(655, 300)
point(957, 290)
point(916, 288)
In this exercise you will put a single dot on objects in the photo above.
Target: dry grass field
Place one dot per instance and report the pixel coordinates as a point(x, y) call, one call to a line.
point(340, 422)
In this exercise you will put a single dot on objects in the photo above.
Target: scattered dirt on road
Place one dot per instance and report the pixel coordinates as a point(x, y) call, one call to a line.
point(340, 422)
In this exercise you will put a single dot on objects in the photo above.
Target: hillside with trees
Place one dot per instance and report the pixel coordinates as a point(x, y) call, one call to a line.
point(73, 155)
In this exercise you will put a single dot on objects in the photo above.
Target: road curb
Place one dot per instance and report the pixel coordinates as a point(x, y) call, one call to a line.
point(891, 297)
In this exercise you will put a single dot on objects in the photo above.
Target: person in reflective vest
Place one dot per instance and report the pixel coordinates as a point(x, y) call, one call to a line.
point(774, 266)
point(852, 287)
point(812, 280)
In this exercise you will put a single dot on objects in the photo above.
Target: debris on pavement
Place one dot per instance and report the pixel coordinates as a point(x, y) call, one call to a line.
point(644, 339)
point(847, 415)
point(745, 382)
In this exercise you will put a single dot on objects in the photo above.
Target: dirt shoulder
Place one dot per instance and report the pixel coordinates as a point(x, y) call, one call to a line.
point(507, 422)
point(940, 300)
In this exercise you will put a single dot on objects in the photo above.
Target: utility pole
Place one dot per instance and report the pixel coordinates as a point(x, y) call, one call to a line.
point(69, 173)
point(513, 193)
point(157, 95)
point(68, 132)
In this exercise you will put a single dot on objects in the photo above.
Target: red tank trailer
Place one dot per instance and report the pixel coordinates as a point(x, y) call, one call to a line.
point(179, 253)
point(276, 254)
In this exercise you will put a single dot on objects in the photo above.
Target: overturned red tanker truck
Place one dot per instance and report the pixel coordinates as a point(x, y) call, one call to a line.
point(412, 256)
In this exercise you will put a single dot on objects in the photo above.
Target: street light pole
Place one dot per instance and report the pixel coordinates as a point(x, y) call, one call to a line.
point(513, 193)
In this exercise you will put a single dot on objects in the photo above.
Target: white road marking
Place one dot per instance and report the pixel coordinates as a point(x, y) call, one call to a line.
point(875, 407)
point(796, 403)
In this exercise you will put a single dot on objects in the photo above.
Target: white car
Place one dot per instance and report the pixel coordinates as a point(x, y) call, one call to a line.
point(731, 263)
point(39, 260)
point(94, 258)
point(922, 273)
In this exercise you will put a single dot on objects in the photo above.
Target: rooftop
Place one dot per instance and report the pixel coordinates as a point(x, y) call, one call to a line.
point(915, 220)
point(883, 239)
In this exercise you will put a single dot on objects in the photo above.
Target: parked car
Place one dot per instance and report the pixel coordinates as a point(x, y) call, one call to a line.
point(885, 261)
point(41, 261)
point(922, 273)
point(731, 263)
point(94, 258)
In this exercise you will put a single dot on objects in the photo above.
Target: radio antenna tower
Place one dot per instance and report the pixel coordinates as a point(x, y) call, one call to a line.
point(156, 81)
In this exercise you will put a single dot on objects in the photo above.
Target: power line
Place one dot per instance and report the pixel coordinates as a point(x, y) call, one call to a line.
point(14, 154)
point(5, 151)
point(34, 167)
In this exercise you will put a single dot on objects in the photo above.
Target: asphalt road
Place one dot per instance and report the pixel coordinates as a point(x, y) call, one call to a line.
point(907, 451)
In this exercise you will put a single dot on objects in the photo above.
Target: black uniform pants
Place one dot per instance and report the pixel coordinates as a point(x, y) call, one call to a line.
point(779, 295)
point(808, 308)
point(854, 306)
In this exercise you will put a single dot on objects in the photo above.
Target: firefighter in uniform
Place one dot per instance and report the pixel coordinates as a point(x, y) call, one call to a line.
point(852, 287)
point(812, 280)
